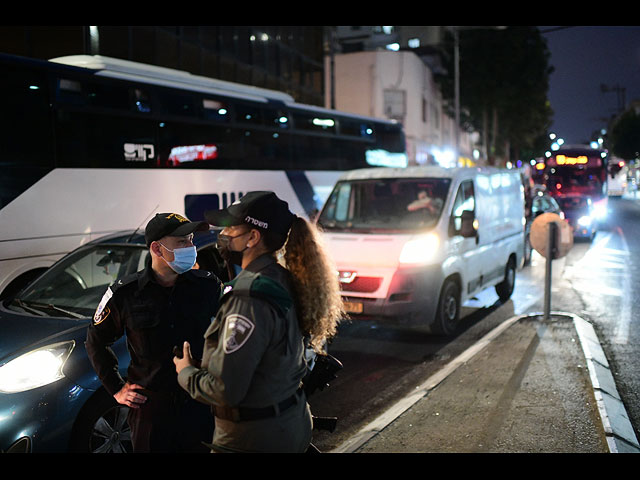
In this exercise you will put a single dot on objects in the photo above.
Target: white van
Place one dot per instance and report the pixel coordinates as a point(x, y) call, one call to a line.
point(415, 243)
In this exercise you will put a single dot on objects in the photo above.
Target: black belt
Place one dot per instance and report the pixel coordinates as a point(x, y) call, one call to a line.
point(243, 414)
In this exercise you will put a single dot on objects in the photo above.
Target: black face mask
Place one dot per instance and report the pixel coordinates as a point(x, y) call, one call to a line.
point(230, 256)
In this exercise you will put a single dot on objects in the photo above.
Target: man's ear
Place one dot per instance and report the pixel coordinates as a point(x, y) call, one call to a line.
point(155, 248)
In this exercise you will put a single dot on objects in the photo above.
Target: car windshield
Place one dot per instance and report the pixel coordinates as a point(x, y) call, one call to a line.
point(74, 286)
point(574, 203)
point(384, 205)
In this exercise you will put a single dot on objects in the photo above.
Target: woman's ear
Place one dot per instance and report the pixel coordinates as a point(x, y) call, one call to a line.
point(254, 238)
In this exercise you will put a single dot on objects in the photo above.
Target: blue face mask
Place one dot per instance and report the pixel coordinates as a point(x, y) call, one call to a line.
point(183, 258)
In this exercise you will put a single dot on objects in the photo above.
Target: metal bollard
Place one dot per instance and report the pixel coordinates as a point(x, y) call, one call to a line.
point(551, 254)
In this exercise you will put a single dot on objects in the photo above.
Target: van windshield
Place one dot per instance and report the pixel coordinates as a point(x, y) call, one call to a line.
point(384, 205)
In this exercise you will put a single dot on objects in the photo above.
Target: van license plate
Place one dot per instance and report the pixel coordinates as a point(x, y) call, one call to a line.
point(353, 307)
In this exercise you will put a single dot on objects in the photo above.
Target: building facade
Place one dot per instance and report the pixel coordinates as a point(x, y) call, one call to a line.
point(389, 72)
point(400, 86)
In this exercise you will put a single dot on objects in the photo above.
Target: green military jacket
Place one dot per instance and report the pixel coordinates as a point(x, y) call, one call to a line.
point(254, 352)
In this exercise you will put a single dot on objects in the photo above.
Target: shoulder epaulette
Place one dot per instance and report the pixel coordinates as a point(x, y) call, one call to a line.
point(121, 282)
point(258, 286)
point(204, 274)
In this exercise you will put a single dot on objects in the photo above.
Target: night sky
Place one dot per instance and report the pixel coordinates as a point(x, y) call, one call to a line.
point(584, 58)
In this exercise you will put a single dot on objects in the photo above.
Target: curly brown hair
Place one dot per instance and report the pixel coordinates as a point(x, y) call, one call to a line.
point(315, 283)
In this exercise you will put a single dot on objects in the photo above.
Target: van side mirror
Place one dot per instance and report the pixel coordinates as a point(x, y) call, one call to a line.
point(467, 228)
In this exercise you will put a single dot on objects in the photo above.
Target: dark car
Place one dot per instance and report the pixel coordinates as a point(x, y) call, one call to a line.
point(580, 212)
point(50, 397)
point(541, 202)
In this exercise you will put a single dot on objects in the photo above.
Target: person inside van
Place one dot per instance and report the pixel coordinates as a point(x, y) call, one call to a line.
point(425, 202)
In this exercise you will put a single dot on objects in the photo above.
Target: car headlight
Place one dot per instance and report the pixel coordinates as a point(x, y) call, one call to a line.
point(35, 368)
point(584, 221)
point(599, 211)
point(419, 250)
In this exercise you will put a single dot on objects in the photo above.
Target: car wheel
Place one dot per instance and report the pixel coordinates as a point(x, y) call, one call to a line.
point(102, 427)
point(505, 288)
point(448, 313)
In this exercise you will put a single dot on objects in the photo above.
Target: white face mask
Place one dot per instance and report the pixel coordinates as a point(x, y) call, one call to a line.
point(183, 258)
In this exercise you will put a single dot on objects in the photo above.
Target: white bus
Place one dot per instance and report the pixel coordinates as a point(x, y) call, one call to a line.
point(617, 181)
point(90, 145)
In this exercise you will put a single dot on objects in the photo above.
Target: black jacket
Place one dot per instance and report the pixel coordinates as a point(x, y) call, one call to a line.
point(154, 319)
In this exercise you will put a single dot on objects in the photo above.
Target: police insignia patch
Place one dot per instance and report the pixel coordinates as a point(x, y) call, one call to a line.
point(238, 330)
point(102, 311)
point(98, 318)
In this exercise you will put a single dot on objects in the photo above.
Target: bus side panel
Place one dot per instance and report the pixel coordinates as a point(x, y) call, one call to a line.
point(70, 207)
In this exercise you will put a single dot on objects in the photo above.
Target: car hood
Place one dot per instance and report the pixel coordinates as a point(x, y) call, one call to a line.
point(24, 332)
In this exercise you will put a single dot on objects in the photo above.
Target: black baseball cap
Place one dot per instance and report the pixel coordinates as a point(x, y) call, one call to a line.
point(261, 209)
point(173, 224)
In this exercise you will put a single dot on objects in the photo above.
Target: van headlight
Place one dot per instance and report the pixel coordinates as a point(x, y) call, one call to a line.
point(420, 250)
point(35, 368)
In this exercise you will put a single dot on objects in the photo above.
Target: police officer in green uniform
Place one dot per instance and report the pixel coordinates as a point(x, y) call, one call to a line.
point(254, 354)
point(158, 308)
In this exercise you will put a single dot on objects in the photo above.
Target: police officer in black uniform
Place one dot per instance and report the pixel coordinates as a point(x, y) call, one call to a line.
point(158, 308)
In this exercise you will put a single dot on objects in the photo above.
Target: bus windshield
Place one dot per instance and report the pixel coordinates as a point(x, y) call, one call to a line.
point(384, 205)
point(576, 181)
point(577, 171)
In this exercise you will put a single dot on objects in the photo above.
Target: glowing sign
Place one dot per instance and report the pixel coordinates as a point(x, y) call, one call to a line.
point(191, 153)
point(564, 160)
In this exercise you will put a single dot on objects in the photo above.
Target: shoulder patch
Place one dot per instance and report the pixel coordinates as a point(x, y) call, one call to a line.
point(237, 331)
point(103, 311)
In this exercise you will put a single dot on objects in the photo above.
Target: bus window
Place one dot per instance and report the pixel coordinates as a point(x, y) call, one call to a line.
point(355, 129)
point(215, 110)
point(107, 96)
point(315, 123)
point(141, 100)
point(248, 114)
point(69, 92)
point(177, 103)
point(26, 143)
point(97, 139)
point(276, 118)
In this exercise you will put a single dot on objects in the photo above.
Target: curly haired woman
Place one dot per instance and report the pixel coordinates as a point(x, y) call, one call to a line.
point(253, 360)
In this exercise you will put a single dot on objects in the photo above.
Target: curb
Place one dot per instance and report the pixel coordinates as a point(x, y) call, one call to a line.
point(619, 432)
point(617, 427)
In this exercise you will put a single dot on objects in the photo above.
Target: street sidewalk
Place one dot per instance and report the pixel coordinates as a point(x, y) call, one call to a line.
point(529, 386)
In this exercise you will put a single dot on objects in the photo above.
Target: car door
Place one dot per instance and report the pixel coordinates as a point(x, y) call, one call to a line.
point(466, 247)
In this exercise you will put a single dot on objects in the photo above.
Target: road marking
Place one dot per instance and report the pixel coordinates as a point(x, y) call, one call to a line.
point(604, 270)
point(621, 335)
